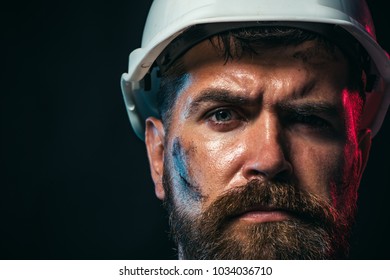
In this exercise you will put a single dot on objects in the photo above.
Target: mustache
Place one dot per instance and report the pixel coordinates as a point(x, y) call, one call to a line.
point(268, 196)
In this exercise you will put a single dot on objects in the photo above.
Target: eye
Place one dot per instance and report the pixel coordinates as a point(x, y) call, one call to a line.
point(312, 120)
point(223, 115)
point(316, 126)
point(224, 119)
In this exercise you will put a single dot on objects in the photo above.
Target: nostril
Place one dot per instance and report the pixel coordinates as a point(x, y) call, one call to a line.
point(257, 173)
point(280, 172)
point(284, 175)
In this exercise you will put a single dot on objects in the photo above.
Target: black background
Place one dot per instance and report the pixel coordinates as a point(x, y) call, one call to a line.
point(75, 182)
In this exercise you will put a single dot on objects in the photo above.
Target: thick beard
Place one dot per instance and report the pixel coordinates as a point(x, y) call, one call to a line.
point(316, 231)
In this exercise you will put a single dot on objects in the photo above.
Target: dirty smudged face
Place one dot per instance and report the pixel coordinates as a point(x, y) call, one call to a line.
point(263, 156)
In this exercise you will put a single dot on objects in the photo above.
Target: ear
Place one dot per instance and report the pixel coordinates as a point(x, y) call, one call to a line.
point(364, 148)
point(154, 140)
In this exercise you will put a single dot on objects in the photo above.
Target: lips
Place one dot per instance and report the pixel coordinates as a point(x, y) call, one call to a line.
point(265, 216)
point(262, 214)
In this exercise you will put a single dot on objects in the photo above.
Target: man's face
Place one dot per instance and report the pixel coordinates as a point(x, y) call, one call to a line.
point(262, 158)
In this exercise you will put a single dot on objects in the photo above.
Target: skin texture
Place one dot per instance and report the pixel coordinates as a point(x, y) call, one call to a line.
point(282, 116)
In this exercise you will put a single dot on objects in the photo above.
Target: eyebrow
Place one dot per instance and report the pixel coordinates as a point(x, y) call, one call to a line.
point(311, 108)
point(223, 97)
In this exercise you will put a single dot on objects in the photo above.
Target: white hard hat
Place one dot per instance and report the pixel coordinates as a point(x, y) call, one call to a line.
point(168, 19)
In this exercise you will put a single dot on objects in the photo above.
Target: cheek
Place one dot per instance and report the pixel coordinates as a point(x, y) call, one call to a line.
point(317, 167)
point(217, 162)
point(200, 170)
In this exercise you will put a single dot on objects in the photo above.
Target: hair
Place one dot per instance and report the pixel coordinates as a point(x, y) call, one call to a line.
point(233, 44)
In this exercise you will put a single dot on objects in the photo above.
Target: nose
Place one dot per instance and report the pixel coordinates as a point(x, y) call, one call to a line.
point(268, 150)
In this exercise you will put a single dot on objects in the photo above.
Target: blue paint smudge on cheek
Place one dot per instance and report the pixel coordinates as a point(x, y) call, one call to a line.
point(179, 159)
point(186, 190)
